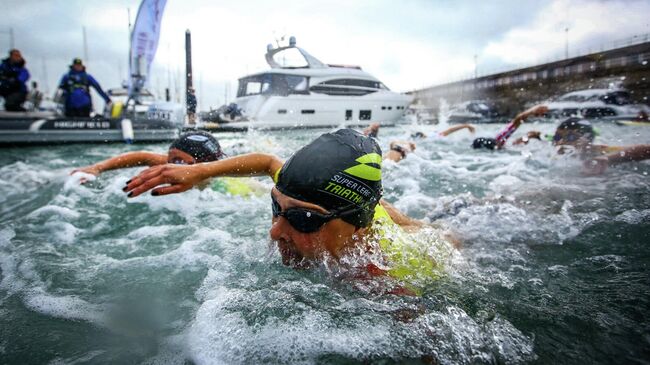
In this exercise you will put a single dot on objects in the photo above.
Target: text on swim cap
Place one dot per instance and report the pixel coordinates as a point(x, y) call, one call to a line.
point(348, 189)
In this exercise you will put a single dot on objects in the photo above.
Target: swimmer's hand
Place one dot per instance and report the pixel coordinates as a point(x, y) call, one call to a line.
point(175, 178)
point(537, 111)
point(595, 166)
point(92, 170)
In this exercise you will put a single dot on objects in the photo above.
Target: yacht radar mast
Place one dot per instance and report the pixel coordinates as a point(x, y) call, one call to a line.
point(312, 62)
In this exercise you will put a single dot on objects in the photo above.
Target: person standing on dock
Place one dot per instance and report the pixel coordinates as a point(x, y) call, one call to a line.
point(13, 79)
point(76, 90)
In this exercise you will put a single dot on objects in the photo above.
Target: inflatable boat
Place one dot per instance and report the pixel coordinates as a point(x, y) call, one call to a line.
point(34, 128)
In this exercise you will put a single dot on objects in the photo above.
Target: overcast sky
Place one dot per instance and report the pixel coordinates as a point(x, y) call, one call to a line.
point(408, 44)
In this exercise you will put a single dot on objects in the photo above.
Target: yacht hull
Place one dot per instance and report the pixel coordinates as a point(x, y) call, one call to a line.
point(324, 110)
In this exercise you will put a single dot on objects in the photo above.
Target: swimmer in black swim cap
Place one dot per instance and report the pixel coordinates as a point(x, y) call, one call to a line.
point(340, 172)
point(190, 148)
point(499, 141)
point(325, 201)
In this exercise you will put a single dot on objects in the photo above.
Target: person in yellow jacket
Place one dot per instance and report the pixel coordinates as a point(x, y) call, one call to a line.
point(326, 204)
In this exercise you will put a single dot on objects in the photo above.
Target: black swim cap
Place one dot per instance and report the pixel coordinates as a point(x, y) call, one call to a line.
point(581, 126)
point(338, 171)
point(482, 142)
point(200, 145)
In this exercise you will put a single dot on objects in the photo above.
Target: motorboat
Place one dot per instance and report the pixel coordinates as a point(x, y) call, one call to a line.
point(420, 113)
point(474, 111)
point(37, 128)
point(134, 115)
point(312, 94)
point(140, 107)
point(597, 104)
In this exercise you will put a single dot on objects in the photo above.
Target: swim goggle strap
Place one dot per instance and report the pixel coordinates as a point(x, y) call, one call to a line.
point(306, 220)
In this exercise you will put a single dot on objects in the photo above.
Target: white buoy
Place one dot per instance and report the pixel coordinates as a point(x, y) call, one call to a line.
point(127, 130)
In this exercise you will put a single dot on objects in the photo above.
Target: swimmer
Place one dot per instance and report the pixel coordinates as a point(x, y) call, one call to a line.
point(527, 138)
point(575, 134)
point(190, 148)
point(372, 130)
point(399, 150)
point(447, 131)
point(327, 204)
point(499, 141)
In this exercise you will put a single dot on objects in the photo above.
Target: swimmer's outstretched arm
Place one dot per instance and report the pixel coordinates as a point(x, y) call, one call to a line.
point(411, 224)
point(130, 159)
point(179, 178)
point(598, 165)
point(456, 128)
point(530, 135)
point(400, 218)
point(503, 136)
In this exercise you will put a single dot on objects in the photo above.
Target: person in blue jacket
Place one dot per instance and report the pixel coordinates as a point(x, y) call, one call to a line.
point(76, 88)
point(13, 79)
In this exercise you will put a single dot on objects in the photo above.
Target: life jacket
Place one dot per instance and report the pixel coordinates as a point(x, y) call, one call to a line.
point(77, 80)
point(77, 90)
point(9, 77)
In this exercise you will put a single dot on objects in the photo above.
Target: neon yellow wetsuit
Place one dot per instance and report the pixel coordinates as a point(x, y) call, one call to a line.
point(238, 186)
point(407, 260)
point(409, 264)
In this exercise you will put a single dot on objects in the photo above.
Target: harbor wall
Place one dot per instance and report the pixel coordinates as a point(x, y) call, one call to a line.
point(511, 91)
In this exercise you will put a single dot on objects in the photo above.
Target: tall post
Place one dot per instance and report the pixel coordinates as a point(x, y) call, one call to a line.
point(475, 66)
point(566, 43)
point(85, 45)
point(46, 81)
point(190, 96)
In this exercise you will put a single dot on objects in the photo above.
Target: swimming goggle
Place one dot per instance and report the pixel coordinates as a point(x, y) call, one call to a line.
point(306, 220)
point(178, 161)
point(569, 137)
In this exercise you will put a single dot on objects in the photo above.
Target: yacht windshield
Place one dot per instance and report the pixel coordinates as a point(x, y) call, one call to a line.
point(272, 84)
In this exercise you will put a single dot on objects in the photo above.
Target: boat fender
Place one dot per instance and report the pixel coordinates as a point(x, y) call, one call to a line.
point(116, 109)
point(127, 130)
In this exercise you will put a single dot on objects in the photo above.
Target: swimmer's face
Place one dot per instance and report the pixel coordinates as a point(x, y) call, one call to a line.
point(569, 137)
point(299, 249)
point(179, 157)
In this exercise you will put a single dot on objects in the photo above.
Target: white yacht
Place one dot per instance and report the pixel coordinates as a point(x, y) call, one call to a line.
point(314, 94)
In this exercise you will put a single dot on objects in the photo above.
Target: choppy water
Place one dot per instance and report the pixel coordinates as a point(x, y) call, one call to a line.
point(553, 269)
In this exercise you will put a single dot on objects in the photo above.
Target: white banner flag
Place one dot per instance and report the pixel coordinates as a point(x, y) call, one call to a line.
point(144, 42)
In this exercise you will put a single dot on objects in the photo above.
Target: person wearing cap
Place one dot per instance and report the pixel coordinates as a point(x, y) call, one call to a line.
point(577, 135)
point(499, 142)
point(188, 149)
point(13, 81)
point(398, 149)
point(327, 205)
point(75, 86)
